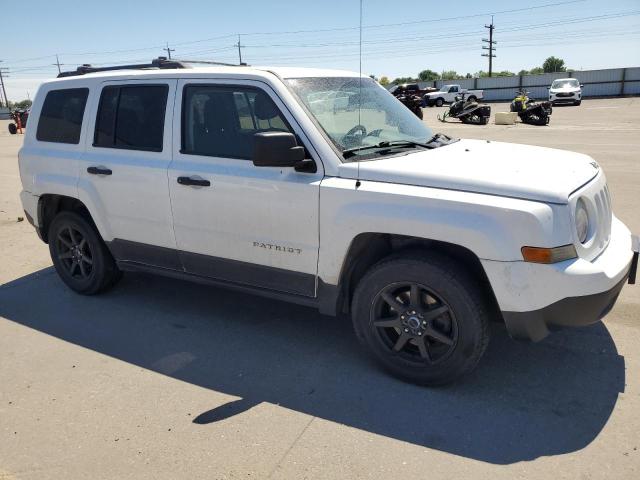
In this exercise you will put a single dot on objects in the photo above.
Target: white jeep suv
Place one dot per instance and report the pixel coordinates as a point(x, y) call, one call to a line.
point(238, 176)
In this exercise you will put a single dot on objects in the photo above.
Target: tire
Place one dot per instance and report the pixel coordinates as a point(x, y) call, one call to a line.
point(472, 98)
point(13, 128)
point(79, 255)
point(577, 103)
point(454, 331)
point(439, 102)
point(418, 112)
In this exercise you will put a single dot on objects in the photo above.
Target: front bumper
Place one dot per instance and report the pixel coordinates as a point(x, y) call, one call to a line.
point(562, 97)
point(534, 297)
point(568, 312)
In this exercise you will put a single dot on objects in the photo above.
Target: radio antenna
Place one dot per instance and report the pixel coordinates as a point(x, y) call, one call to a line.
point(359, 92)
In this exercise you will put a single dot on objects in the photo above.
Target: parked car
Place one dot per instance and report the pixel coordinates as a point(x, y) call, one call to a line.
point(411, 89)
point(237, 176)
point(447, 94)
point(565, 90)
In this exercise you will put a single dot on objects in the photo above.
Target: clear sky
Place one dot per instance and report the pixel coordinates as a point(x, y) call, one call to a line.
point(399, 38)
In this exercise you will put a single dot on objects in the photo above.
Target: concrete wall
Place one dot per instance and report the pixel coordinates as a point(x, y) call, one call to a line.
point(597, 83)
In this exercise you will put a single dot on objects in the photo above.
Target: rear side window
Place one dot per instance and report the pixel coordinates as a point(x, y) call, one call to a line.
point(61, 116)
point(220, 121)
point(131, 117)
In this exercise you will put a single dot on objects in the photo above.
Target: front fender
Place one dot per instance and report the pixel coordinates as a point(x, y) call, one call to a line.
point(492, 227)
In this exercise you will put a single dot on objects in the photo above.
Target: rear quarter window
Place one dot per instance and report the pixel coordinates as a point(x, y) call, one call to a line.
point(61, 116)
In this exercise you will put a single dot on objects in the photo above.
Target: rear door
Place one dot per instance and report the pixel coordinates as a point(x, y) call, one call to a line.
point(123, 172)
point(234, 221)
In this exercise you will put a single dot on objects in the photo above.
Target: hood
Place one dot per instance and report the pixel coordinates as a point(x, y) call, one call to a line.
point(495, 168)
point(566, 89)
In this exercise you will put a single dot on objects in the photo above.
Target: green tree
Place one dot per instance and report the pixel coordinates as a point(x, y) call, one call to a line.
point(401, 80)
point(384, 81)
point(504, 73)
point(523, 72)
point(428, 75)
point(449, 75)
point(21, 105)
point(536, 71)
point(468, 75)
point(553, 64)
point(481, 74)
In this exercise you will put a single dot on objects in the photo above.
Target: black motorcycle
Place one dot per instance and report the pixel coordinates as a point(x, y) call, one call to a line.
point(412, 102)
point(19, 120)
point(467, 111)
point(530, 111)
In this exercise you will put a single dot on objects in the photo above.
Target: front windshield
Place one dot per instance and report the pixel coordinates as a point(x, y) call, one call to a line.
point(353, 118)
point(565, 83)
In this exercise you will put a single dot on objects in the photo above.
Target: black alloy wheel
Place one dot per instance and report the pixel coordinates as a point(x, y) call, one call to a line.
point(414, 322)
point(79, 254)
point(74, 253)
point(422, 317)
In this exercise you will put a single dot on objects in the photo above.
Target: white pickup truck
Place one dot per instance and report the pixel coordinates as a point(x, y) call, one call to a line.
point(447, 94)
point(267, 181)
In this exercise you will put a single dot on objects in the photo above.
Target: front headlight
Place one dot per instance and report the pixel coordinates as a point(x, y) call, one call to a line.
point(582, 220)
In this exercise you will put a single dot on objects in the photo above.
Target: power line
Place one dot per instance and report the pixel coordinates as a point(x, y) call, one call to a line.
point(384, 25)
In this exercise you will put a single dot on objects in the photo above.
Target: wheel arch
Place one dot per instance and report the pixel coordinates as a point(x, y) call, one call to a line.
point(366, 249)
point(49, 205)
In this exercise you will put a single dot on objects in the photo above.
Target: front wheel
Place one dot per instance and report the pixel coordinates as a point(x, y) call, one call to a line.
point(79, 255)
point(439, 102)
point(13, 128)
point(577, 103)
point(422, 318)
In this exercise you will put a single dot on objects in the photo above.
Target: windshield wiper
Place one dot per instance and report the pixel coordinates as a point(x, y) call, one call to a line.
point(438, 140)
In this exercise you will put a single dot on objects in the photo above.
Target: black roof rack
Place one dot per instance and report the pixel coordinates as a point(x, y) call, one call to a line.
point(159, 63)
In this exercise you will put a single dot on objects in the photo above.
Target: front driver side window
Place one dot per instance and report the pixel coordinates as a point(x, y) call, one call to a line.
point(220, 121)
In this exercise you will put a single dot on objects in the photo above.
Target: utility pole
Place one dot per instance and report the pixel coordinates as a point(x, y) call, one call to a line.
point(239, 45)
point(491, 47)
point(58, 63)
point(4, 92)
point(169, 50)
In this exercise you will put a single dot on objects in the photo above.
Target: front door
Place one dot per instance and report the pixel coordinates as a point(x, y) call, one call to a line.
point(234, 221)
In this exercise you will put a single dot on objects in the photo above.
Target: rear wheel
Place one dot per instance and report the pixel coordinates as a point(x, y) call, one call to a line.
point(422, 318)
point(79, 255)
point(13, 128)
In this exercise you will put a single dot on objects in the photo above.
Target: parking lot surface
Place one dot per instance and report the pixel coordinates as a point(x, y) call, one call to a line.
point(160, 378)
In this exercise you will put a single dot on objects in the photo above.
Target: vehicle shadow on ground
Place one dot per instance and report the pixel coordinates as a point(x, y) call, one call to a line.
point(524, 401)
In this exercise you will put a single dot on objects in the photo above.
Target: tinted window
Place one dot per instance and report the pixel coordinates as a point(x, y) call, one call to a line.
point(131, 117)
point(61, 116)
point(221, 121)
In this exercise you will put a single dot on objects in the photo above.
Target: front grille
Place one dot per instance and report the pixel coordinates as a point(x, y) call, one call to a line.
point(598, 199)
point(602, 200)
point(564, 94)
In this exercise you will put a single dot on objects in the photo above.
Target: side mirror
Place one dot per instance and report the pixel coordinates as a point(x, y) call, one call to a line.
point(581, 86)
point(276, 149)
point(548, 88)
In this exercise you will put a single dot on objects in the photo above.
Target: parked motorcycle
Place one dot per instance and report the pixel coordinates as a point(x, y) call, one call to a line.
point(467, 111)
point(530, 111)
point(19, 120)
point(413, 103)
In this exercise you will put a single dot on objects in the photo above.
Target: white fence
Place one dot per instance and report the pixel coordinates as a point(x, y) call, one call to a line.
point(597, 83)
